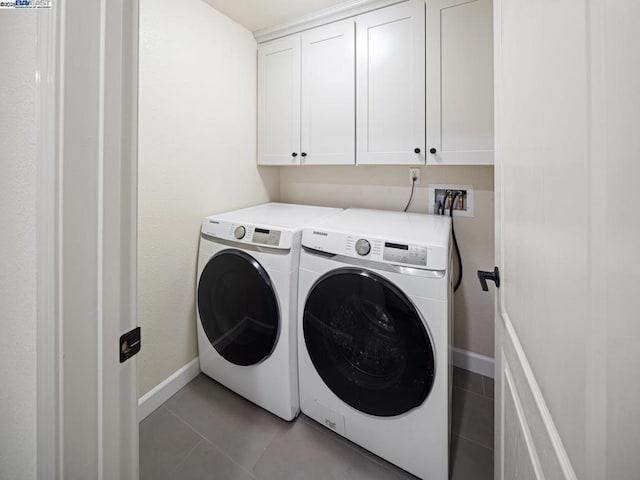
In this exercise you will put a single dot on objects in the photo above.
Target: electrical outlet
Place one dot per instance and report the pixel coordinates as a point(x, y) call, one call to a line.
point(414, 173)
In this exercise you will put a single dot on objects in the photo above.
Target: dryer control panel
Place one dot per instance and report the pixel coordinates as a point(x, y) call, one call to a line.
point(266, 237)
point(247, 233)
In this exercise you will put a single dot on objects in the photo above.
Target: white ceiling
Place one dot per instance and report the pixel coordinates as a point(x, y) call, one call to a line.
point(259, 14)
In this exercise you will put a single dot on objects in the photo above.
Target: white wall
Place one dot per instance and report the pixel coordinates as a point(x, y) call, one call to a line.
point(388, 188)
point(197, 156)
point(18, 245)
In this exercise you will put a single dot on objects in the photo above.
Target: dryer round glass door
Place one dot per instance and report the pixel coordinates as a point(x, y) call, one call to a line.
point(368, 343)
point(238, 308)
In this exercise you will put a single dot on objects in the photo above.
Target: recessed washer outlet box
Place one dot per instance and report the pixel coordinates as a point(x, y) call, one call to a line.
point(437, 191)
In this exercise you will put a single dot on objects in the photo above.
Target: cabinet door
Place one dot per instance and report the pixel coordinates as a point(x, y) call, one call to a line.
point(390, 79)
point(459, 82)
point(279, 102)
point(328, 95)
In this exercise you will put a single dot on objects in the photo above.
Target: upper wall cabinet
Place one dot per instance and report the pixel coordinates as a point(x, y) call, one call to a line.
point(345, 93)
point(279, 102)
point(459, 82)
point(328, 95)
point(306, 98)
point(390, 72)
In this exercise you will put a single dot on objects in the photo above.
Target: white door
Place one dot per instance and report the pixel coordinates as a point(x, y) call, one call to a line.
point(328, 95)
point(390, 93)
point(459, 82)
point(87, 399)
point(279, 102)
point(567, 229)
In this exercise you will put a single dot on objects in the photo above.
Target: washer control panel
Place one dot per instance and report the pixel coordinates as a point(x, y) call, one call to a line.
point(363, 247)
point(386, 250)
point(266, 237)
point(403, 253)
point(239, 232)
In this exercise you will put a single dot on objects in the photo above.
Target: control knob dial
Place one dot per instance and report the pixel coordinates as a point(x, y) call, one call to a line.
point(363, 247)
point(239, 232)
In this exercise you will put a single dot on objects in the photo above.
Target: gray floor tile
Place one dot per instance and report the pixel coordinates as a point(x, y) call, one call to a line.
point(470, 461)
point(206, 462)
point(305, 451)
point(244, 442)
point(165, 442)
point(489, 386)
point(236, 426)
point(467, 381)
point(473, 417)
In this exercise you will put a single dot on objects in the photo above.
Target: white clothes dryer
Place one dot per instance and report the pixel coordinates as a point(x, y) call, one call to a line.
point(247, 301)
point(375, 328)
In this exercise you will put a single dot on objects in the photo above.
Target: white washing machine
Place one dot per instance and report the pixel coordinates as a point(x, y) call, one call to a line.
point(374, 335)
point(247, 301)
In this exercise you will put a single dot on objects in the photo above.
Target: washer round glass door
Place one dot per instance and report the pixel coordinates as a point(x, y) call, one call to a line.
point(238, 307)
point(368, 343)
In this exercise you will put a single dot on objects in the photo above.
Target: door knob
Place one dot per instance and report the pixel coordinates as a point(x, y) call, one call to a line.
point(416, 150)
point(304, 154)
point(294, 154)
point(432, 151)
point(493, 276)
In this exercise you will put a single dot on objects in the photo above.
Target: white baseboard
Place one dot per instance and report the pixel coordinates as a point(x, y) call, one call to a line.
point(162, 392)
point(474, 362)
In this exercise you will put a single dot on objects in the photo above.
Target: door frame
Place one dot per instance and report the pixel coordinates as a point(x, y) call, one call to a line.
point(86, 161)
point(47, 315)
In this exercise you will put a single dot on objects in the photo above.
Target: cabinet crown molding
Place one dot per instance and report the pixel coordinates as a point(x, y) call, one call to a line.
point(335, 13)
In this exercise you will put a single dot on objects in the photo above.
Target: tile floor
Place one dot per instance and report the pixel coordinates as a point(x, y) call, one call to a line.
point(207, 432)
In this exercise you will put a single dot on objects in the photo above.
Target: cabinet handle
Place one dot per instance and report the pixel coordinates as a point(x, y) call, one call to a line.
point(432, 151)
point(416, 150)
point(294, 154)
point(304, 154)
